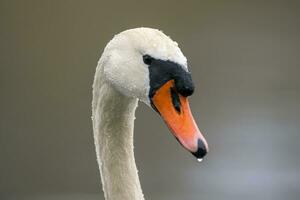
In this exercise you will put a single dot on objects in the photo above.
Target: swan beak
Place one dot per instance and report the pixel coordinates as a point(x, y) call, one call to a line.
point(175, 111)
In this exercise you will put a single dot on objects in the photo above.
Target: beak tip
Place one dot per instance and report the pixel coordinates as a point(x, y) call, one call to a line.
point(201, 151)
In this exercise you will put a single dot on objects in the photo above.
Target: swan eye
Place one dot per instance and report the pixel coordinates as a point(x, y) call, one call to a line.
point(147, 59)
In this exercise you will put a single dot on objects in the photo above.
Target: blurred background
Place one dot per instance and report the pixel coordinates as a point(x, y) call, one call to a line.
point(244, 58)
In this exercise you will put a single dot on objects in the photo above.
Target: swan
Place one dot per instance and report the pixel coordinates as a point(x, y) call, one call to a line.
point(139, 64)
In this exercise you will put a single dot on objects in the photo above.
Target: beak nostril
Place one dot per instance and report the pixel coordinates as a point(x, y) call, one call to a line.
point(175, 100)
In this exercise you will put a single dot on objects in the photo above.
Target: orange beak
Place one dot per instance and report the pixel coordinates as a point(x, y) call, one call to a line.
point(175, 111)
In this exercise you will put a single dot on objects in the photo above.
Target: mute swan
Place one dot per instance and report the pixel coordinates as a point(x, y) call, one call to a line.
point(139, 64)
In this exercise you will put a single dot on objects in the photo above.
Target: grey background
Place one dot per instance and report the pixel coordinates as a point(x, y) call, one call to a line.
point(244, 58)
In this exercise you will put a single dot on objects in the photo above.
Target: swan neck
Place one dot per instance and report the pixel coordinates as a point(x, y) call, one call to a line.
point(113, 124)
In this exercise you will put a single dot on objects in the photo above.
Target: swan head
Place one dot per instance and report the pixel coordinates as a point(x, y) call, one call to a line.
point(146, 64)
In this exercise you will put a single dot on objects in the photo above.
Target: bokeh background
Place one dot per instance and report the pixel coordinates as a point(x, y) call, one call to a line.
point(244, 58)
